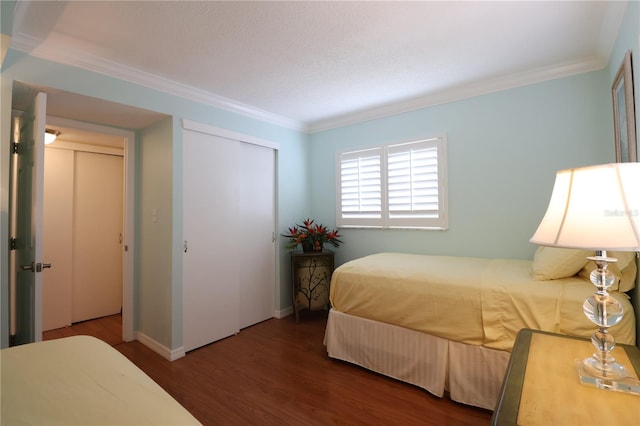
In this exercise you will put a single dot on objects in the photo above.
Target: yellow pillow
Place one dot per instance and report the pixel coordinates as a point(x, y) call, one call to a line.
point(551, 263)
point(624, 269)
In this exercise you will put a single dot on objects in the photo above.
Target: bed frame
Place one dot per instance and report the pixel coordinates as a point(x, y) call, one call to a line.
point(471, 374)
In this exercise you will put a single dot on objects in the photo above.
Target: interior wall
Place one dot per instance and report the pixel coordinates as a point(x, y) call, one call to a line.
point(292, 181)
point(503, 152)
point(154, 227)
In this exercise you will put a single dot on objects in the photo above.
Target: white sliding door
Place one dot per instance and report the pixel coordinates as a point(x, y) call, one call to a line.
point(228, 226)
point(210, 266)
point(256, 215)
point(97, 236)
point(57, 238)
point(83, 220)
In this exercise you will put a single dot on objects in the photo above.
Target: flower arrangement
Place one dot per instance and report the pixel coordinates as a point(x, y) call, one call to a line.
point(311, 236)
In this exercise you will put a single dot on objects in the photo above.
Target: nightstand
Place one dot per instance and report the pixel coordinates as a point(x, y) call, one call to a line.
point(541, 385)
point(311, 280)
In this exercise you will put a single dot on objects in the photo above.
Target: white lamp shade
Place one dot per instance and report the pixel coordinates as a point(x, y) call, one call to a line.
point(595, 207)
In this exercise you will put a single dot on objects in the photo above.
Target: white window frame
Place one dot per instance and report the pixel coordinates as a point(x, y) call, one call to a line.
point(384, 217)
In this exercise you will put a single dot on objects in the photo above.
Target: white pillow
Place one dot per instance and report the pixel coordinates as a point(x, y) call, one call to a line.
point(552, 263)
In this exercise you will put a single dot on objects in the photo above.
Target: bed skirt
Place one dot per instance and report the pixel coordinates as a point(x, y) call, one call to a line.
point(471, 374)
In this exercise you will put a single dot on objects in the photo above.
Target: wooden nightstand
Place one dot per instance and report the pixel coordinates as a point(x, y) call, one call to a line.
point(541, 385)
point(311, 280)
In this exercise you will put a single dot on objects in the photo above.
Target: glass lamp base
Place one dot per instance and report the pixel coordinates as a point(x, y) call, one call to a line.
point(617, 377)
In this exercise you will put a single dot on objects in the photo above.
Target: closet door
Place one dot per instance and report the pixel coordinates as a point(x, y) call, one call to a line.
point(228, 227)
point(57, 215)
point(210, 261)
point(257, 220)
point(97, 236)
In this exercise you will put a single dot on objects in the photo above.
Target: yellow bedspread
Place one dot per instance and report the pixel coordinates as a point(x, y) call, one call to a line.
point(81, 380)
point(470, 300)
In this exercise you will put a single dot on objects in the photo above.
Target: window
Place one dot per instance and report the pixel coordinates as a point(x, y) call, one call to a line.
point(394, 186)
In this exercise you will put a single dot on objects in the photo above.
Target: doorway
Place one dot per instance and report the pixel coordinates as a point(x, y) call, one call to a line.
point(79, 112)
point(82, 227)
point(89, 148)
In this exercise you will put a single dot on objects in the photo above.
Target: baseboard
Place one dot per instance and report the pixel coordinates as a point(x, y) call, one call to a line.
point(160, 349)
point(283, 312)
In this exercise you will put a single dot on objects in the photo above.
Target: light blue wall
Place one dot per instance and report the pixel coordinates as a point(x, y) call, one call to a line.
point(154, 240)
point(503, 152)
point(159, 295)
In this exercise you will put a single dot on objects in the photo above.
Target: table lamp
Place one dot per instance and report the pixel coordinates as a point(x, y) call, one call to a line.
point(598, 208)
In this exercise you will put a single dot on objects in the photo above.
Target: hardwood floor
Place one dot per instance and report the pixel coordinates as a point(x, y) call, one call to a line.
point(278, 373)
point(108, 329)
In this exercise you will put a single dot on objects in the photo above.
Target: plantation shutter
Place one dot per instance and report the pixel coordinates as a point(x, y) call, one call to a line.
point(394, 186)
point(360, 196)
point(413, 183)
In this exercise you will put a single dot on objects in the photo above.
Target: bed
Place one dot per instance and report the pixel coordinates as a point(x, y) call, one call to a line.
point(81, 380)
point(447, 323)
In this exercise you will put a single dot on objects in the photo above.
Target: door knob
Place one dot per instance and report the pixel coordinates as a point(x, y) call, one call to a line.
point(30, 267)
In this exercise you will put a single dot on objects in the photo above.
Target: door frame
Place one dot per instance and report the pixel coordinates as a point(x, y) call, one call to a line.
point(128, 243)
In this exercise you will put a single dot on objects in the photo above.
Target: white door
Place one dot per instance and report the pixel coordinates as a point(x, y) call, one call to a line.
point(57, 238)
point(83, 203)
point(97, 236)
point(229, 225)
point(257, 219)
point(27, 189)
point(210, 261)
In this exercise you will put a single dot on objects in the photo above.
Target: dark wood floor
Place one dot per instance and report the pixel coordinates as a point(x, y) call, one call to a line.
point(278, 373)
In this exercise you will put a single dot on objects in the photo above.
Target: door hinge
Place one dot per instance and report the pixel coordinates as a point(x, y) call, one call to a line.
point(12, 243)
point(15, 147)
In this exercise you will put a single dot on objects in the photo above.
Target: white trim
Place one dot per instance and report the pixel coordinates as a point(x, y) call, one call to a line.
point(84, 147)
point(283, 313)
point(460, 93)
point(160, 349)
point(128, 266)
point(55, 50)
point(228, 134)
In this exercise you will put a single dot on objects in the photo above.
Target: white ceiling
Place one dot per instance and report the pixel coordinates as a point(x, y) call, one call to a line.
point(317, 65)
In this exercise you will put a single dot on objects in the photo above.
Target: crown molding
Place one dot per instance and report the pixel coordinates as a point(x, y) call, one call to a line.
point(458, 93)
point(57, 51)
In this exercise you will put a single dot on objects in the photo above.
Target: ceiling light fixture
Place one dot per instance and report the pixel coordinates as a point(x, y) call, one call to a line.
point(50, 135)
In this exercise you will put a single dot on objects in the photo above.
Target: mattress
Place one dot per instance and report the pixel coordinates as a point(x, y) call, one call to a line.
point(469, 300)
point(81, 380)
